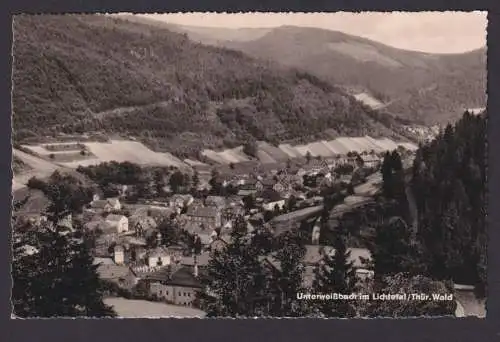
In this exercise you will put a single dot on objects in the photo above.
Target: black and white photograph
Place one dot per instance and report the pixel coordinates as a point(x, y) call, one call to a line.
point(249, 165)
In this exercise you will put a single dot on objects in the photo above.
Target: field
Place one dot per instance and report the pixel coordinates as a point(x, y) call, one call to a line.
point(369, 100)
point(128, 308)
point(98, 152)
point(267, 153)
point(37, 167)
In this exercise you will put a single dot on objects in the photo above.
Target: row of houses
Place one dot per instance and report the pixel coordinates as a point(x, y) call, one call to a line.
point(177, 279)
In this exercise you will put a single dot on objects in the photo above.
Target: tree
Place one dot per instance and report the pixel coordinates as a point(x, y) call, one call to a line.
point(251, 149)
point(196, 179)
point(308, 156)
point(449, 183)
point(249, 202)
point(57, 278)
point(235, 279)
point(336, 274)
point(176, 181)
point(392, 249)
point(288, 281)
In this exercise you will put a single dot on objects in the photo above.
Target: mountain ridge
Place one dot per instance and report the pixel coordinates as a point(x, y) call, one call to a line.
point(394, 76)
point(180, 96)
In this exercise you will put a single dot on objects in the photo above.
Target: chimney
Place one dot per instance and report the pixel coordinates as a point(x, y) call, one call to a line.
point(195, 271)
point(158, 239)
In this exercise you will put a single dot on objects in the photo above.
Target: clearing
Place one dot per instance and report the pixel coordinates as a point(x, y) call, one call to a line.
point(126, 150)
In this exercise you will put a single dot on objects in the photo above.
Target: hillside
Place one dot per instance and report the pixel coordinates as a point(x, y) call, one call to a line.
point(95, 73)
point(433, 88)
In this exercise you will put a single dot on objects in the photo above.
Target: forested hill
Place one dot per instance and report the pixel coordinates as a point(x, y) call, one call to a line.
point(449, 183)
point(435, 88)
point(77, 74)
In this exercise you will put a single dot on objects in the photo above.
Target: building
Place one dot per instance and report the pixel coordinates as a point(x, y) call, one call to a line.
point(160, 256)
point(210, 217)
point(265, 184)
point(181, 201)
point(270, 206)
point(119, 255)
point(178, 287)
point(121, 275)
point(370, 161)
point(120, 222)
point(218, 202)
point(106, 205)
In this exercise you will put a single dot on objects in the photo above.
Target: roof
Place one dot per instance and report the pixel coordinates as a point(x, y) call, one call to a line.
point(202, 211)
point(103, 261)
point(113, 201)
point(115, 218)
point(314, 254)
point(184, 277)
point(201, 260)
point(162, 274)
point(271, 195)
point(99, 203)
point(215, 200)
point(158, 251)
point(106, 271)
point(268, 182)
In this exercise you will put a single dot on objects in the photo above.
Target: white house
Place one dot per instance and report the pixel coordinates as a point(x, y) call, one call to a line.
point(271, 205)
point(120, 222)
point(119, 255)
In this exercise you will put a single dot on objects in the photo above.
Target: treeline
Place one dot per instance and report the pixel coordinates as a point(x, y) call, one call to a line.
point(449, 183)
point(430, 218)
point(115, 76)
point(141, 182)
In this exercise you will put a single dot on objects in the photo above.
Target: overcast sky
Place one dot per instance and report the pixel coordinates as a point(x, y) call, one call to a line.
point(439, 32)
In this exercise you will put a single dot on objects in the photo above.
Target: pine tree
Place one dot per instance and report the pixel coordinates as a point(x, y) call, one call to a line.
point(289, 281)
point(57, 278)
point(234, 280)
point(392, 251)
point(335, 274)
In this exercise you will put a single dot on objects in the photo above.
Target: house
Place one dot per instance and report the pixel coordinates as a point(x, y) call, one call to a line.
point(106, 205)
point(370, 161)
point(178, 287)
point(180, 201)
point(271, 205)
point(119, 255)
point(218, 202)
point(120, 222)
point(201, 260)
point(121, 275)
point(208, 216)
point(160, 256)
point(315, 166)
point(267, 183)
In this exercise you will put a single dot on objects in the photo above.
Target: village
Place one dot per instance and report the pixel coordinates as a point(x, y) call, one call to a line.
point(138, 261)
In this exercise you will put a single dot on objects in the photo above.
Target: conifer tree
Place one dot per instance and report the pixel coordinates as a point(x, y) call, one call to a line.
point(335, 274)
point(56, 278)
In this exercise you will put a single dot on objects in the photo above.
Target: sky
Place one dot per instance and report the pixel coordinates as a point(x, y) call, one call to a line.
point(435, 32)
